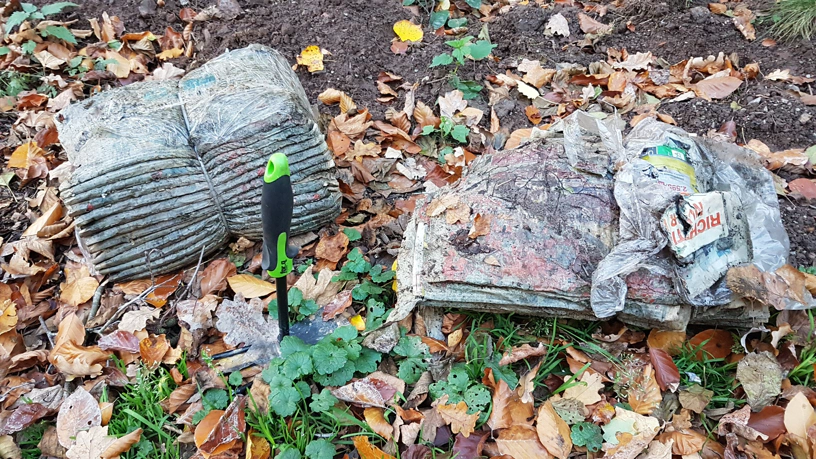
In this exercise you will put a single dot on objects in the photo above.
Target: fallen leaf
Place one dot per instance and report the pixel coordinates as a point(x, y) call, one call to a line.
point(508, 408)
point(79, 412)
point(312, 58)
point(119, 340)
point(376, 420)
point(244, 324)
point(134, 321)
point(695, 398)
point(153, 349)
point(451, 103)
point(737, 422)
point(78, 287)
point(533, 114)
point(521, 442)
point(178, 397)
point(333, 96)
point(761, 378)
point(481, 226)
point(718, 87)
point(770, 421)
point(645, 428)
point(591, 26)
point(90, 444)
point(367, 450)
point(670, 341)
point(586, 391)
point(553, 432)
point(528, 91)
point(122, 445)
point(458, 418)
point(644, 393)
point(665, 371)
point(408, 31)
point(332, 248)
point(684, 442)
point(23, 155)
point(470, 446)
point(363, 392)
point(743, 18)
point(214, 277)
point(424, 116)
point(165, 286)
point(803, 186)
point(718, 344)
point(197, 314)
point(768, 42)
point(799, 415)
point(250, 286)
point(336, 306)
point(362, 149)
point(8, 316)
point(718, 8)
point(229, 429)
point(525, 351)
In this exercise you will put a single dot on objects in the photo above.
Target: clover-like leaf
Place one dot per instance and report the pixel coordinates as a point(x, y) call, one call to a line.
point(328, 358)
point(322, 402)
point(297, 365)
point(320, 449)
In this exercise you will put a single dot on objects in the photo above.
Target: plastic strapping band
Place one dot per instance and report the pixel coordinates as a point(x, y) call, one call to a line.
point(219, 206)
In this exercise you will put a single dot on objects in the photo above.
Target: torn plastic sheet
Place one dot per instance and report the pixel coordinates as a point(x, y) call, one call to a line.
point(555, 221)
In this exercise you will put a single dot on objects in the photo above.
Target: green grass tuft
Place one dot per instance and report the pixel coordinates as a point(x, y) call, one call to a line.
point(794, 19)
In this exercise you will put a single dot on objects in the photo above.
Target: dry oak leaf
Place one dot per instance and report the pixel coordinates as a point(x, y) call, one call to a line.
point(743, 18)
point(362, 149)
point(134, 321)
point(586, 391)
point(644, 393)
point(352, 126)
point(376, 420)
point(78, 287)
point(332, 248)
point(521, 442)
point(553, 432)
point(244, 323)
point(458, 418)
point(322, 290)
point(451, 103)
point(441, 204)
point(197, 314)
point(250, 286)
point(557, 25)
point(80, 411)
point(369, 451)
point(591, 26)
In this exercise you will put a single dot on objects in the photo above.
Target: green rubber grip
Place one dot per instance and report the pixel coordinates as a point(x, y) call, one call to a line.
point(277, 202)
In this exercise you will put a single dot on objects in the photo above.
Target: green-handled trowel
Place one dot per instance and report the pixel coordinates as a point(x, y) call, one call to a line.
point(277, 202)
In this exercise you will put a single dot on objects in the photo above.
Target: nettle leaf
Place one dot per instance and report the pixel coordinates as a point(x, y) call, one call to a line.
point(55, 8)
point(460, 133)
point(283, 400)
point(441, 388)
point(60, 32)
point(411, 369)
point(328, 358)
point(216, 399)
point(587, 434)
point(445, 125)
point(297, 365)
point(503, 372)
point(291, 344)
point(16, 19)
point(411, 346)
point(459, 54)
point(352, 234)
point(320, 449)
point(439, 59)
point(368, 360)
point(460, 43)
point(322, 402)
point(439, 18)
point(480, 50)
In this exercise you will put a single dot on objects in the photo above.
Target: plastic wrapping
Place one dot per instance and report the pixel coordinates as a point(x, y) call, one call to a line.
point(170, 168)
point(644, 192)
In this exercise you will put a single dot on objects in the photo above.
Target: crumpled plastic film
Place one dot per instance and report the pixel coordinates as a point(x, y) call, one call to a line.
point(172, 167)
point(643, 198)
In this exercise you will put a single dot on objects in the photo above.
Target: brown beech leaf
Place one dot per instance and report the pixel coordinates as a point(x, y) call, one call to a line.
point(458, 418)
point(78, 287)
point(120, 341)
point(153, 349)
point(665, 371)
point(90, 443)
point(166, 285)
point(367, 450)
point(586, 391)
point(363, 392)
point(250, 286)
point(803, 186)
point(178, 397)
point(508, 409)
point(644, 393)
point(521, 442)
point(80, 411)
point(718, 8)
point(670, 341)
point(481, 226)
point(718, 344)
point(376, 420)
point(337, 305)
point(684, 441)
point(591, 26)
point(24, 416)
point(229, 429)
point(553, 432)
point(770, 421)
point(718, 87)
point(214, 277)
point(122, 445)
point(470, 446)
point(743, 18)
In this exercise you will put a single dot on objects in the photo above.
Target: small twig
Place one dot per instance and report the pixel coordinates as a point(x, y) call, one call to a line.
point(121, 308)
point(97, 299)
point(195, 273)
point(47, 331)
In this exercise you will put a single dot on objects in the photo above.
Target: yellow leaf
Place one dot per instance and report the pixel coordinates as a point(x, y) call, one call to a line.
point(358, 322)
point(376, 420)
point(171, 53)
point(408, 31)
point(553, 432)
point(8, 316)
point(21, 158)
point(369, 451)
point(121, 66)
point(312, 58)
point(78, 287)
point(250, 286)
point(458, 418)
point(586, 391)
